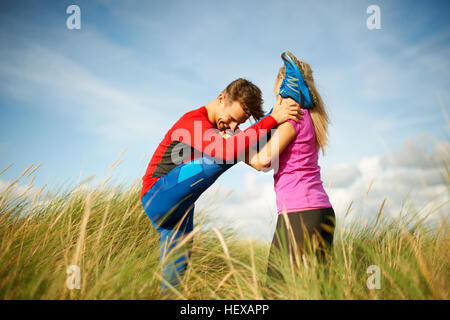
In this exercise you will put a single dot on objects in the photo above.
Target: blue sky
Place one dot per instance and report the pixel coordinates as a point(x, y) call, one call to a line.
point(74, 99)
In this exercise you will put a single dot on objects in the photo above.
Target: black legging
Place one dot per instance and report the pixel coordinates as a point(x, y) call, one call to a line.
point(304, 227)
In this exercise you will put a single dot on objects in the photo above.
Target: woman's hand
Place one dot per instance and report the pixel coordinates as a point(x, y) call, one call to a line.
point(286, 109)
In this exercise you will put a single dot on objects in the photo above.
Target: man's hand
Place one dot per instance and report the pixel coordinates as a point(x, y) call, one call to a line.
point(286, 109)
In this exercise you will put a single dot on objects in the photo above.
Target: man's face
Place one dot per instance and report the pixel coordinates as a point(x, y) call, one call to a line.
point(230, 115)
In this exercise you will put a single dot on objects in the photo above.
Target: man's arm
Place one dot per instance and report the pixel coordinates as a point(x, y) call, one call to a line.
point(208, 140)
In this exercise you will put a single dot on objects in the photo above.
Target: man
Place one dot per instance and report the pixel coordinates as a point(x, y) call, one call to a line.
point(192, 155)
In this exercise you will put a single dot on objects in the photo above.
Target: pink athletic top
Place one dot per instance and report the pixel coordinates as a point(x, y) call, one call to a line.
point(298, 186)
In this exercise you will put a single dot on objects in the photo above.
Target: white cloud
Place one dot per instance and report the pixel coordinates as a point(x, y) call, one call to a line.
point(16, 190)
point(341, 175)
point(414, 153)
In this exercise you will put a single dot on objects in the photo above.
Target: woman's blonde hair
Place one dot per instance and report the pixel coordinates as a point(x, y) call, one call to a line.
point(318, 112)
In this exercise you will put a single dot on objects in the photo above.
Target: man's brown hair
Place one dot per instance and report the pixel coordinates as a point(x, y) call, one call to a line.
point(248, 95)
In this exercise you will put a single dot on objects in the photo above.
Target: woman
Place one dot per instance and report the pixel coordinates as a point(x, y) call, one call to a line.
point(305, 214)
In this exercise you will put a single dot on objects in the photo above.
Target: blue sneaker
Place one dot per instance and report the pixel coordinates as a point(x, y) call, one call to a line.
point(294, 86)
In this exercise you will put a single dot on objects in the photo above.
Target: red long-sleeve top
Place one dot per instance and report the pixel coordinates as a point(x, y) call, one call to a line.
point(193, 136)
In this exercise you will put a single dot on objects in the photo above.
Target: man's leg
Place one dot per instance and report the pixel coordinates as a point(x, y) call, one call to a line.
point(172, 198)
point(173, 257)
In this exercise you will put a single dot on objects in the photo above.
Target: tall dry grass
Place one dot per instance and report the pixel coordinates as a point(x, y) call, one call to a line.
point(104, 231)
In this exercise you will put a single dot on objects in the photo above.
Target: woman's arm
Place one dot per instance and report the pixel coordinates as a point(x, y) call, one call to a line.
point(272, 149)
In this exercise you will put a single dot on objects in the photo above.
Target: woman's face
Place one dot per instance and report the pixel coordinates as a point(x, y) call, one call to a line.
point(276, 88)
